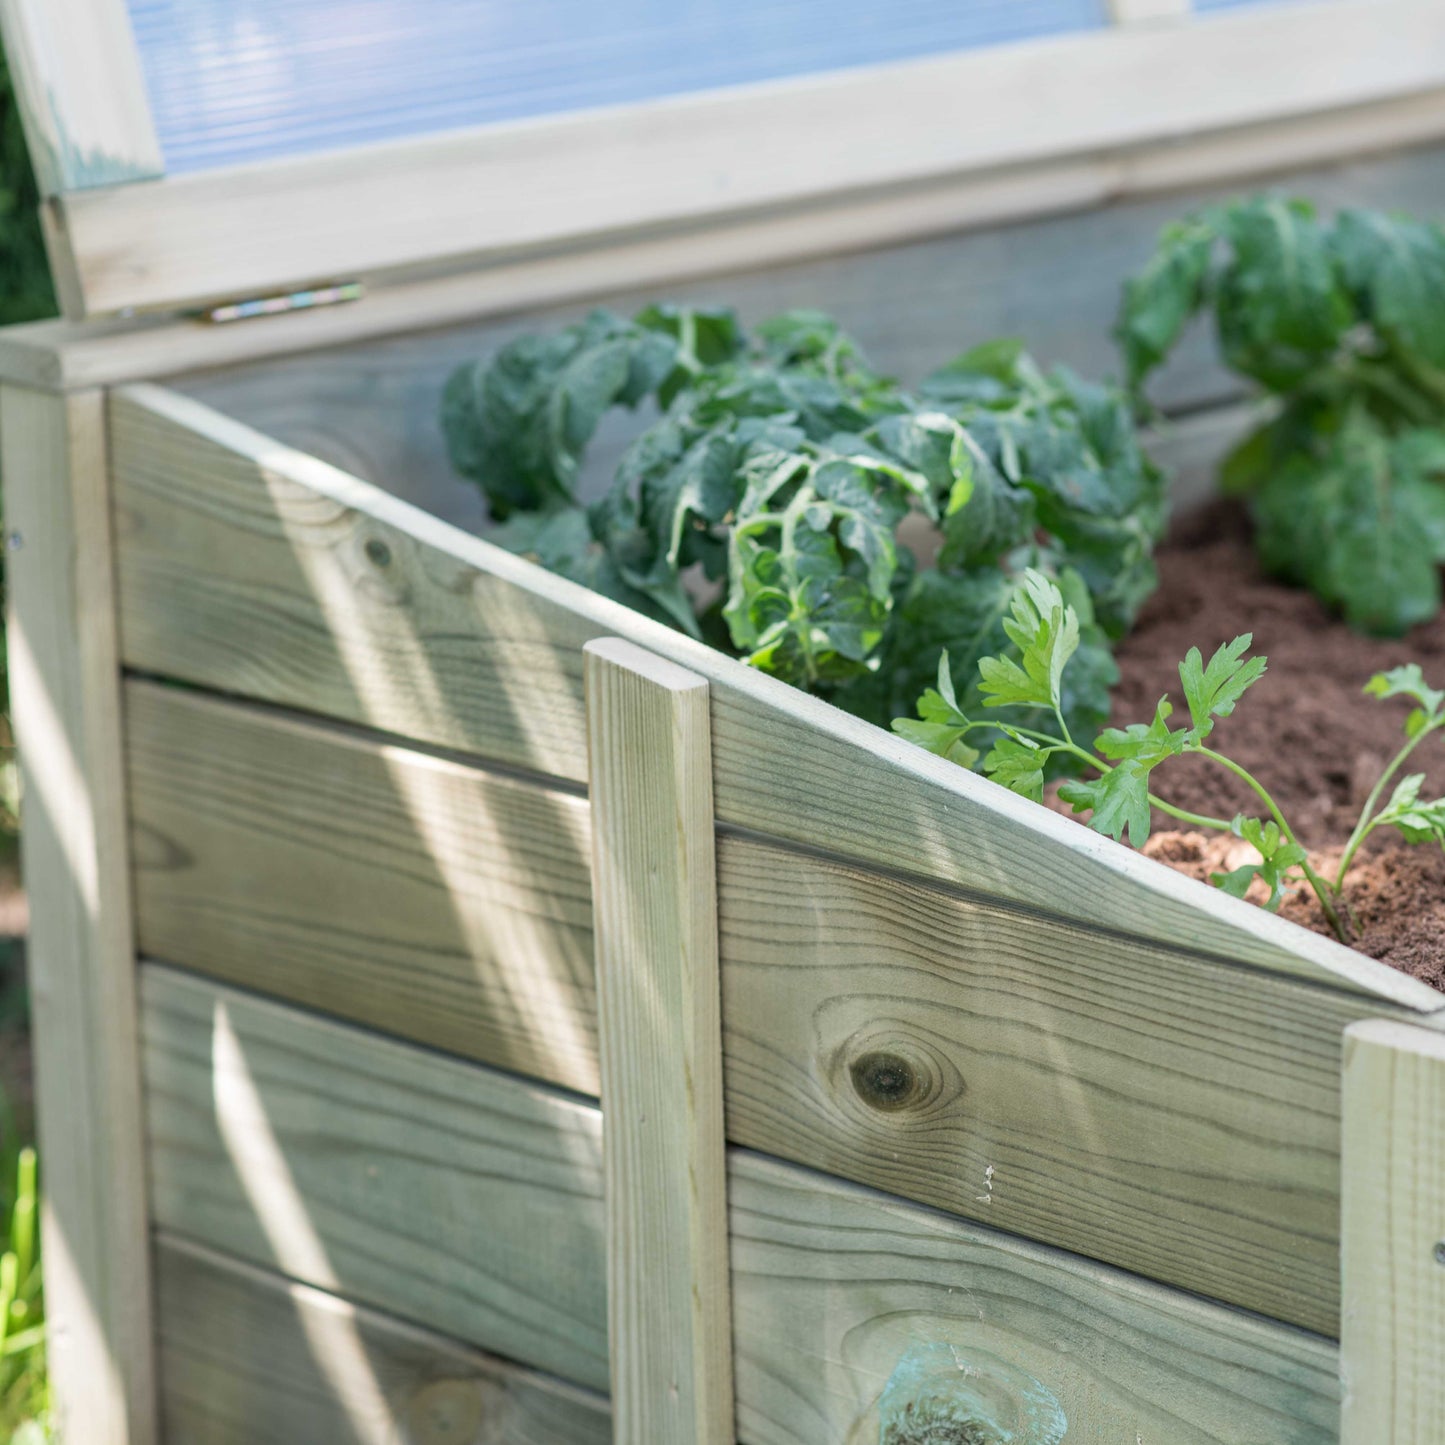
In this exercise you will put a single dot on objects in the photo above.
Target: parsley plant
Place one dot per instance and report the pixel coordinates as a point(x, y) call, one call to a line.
point(1119, 796)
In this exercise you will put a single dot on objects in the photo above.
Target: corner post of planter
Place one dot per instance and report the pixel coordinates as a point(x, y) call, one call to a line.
point(1392, 1330)
point(654, 887)
point(65, 681)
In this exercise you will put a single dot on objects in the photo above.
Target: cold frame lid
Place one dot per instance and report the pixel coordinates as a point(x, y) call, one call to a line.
point(202, 151)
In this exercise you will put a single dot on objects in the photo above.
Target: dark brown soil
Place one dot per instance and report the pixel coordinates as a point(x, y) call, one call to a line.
point(1305, 730)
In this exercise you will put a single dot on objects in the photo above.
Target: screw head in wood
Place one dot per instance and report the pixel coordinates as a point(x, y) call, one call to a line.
point(378, 551)
point(1440, 1252)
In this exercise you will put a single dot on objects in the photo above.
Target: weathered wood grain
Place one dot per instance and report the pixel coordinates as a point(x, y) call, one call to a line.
point(654, 881)
point(1170, 1114)
point(1393, 1256)
point(389, 1175)
point(64, 675)
point(253, 569)
point(371, 881)
point(848, 1304)
point(1176, 1117)
point(250, 1358)
point(851, 1306)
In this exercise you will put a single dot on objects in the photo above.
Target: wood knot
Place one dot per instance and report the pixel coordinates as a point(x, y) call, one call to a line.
point(940, 1394)
point(448, 1412)
point(885, 1080)
point(378, 552)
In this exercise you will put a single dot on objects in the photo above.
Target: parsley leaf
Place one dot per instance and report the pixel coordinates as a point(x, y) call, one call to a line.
point(1017, 763)
point(1277, 855)
point(1212, 691)
point(1419, 822)
point(1046, 632)
point(1119, 800)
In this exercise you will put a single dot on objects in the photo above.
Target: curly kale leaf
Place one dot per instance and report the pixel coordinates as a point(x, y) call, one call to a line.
point(1165, 296)
point(1362, 526)
point(518, 424)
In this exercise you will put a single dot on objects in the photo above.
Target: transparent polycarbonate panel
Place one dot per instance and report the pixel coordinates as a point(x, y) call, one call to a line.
point(243, 80)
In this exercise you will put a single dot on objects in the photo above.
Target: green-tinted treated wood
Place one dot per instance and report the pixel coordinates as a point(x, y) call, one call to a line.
point(871, 1022)
point(394, 1177)
point(1176, 1117)
point(64, 675)
point(258, 571)
point(370, 881)
point(249, 1358)
point(837, 1289)
point(1393, 1336)
point(850, 1305)
point(655, 890)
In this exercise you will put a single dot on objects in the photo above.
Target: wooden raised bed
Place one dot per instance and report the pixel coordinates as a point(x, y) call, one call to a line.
point(931, 1117)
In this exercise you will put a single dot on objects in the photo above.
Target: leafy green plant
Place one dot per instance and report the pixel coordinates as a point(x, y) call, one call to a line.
point(762, 509)
point(1341, 324)
point(1119, 797)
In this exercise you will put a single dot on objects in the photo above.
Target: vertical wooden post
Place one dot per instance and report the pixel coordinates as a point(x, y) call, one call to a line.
point(655, 921)
point(1392, 1333)
point(66, 699)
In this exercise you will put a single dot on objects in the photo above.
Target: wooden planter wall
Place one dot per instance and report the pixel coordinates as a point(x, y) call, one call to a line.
point(1027, 1139)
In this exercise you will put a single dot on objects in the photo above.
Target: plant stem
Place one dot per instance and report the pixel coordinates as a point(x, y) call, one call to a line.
point(1367, 813)
point(1322, 889)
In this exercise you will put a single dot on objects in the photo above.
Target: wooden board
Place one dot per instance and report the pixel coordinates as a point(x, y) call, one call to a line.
point(1394, 1235)
point(375, 882)
point(1124, 105)
point(654, 883)
point(64, 676)
point(379, 1172)
point(81, 92)
point(253, 569)
point(843, 1297)
point(1176, 1116)
point(1049, 277)
point(250, 1358)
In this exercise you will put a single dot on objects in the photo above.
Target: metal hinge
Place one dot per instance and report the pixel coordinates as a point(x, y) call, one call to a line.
point(277, 305)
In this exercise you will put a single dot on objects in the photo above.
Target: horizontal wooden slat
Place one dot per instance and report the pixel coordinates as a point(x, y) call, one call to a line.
point(373, 882)
point(378, 1171)
point(250, 1358)
point(930, 293)
point(1172, 1115)
point(842, 1296)
point(1176, 1117)
point(259, 571)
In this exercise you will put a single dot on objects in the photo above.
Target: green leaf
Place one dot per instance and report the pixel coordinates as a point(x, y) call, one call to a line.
point(1418, 822)
point(1356, 527)
point(1281, 306)
point(1211, 692)
point(1395, 268)
point(518, 424)
point(1018, 764)
point(940, 725)
point(1409, 681)
point(1149, 743)
point(1277, 856)
point(1046, 632)
point(1160, 301)
point(1116, 802)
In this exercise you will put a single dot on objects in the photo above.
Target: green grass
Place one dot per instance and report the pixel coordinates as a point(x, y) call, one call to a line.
point(24, 1385)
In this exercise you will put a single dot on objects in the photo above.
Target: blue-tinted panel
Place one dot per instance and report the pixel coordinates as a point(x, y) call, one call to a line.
point(242, 80)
